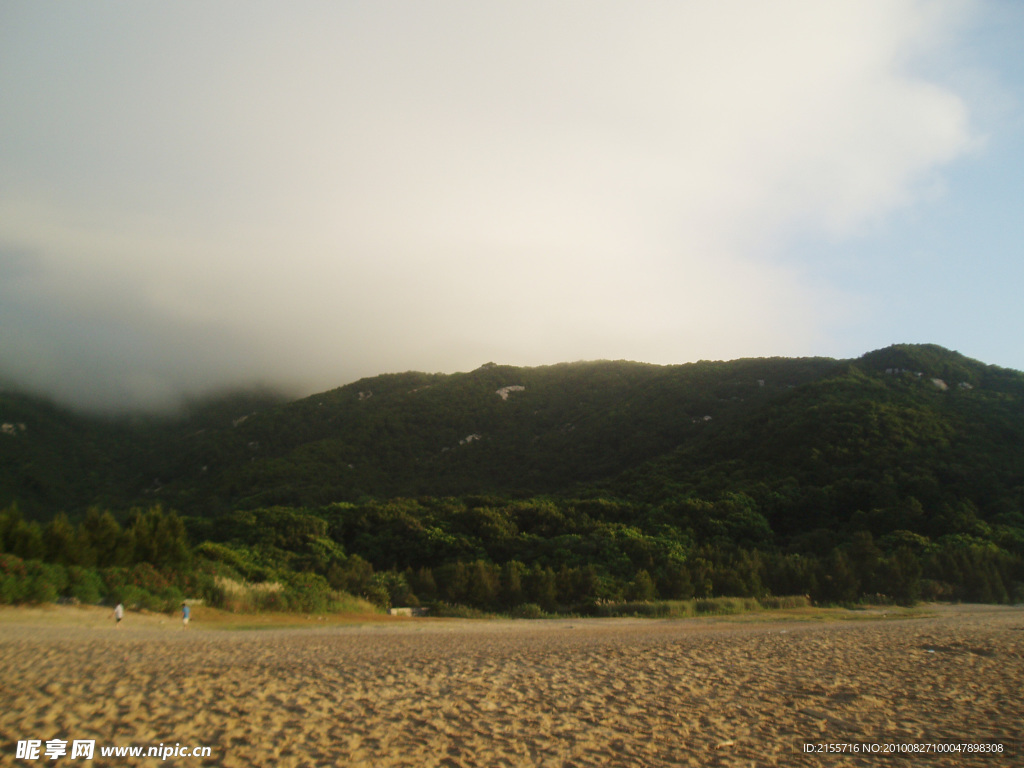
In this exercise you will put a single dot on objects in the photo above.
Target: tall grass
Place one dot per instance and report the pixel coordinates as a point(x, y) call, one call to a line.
point(245, 597)
point(307, 595)
point(705, 606)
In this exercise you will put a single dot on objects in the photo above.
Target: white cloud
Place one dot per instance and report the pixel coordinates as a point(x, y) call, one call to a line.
point(359, 188)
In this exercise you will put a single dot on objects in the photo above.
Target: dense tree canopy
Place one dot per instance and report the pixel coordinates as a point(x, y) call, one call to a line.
point(898, 474)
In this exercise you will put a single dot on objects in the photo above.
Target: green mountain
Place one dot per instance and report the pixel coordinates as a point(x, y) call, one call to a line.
point(900, 472)
point(904, 421)
point(905, 438)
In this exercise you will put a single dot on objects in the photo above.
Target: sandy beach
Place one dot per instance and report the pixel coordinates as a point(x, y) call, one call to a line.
point(739, 691)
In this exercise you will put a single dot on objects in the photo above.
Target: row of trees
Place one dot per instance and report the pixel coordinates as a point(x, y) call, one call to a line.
point(146, 563)
point(971, 574)
point(497, 555)
point(150, 536)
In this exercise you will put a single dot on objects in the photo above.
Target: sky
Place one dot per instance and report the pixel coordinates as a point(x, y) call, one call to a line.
point(196, 196)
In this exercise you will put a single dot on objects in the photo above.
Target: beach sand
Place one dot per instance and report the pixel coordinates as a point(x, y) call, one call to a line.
point(742, 691)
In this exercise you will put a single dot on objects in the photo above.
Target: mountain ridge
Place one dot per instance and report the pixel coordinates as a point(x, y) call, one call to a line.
point(563, 428)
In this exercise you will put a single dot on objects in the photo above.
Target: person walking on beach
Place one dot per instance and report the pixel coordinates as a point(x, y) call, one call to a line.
point(185, 613)
point(118, 615)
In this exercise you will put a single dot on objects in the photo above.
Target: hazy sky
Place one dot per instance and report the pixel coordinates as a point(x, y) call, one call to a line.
point(195, 194)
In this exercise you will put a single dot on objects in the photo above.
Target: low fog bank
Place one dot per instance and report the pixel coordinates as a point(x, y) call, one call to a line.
point(118, 396)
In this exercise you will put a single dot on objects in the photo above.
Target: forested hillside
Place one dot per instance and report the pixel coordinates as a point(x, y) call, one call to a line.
point(498, 429)
point(899, 474)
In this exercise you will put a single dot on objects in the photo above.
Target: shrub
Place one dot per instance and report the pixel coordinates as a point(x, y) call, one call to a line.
point(309, 592)
point(134, 599)
point(778, 602)
point(44, 583)
point(147, 577)
point(238, 559)
point(528, 611)
point(12, 579)
point(344, 602)
point(641, 589)
point(378, 595)
point(725, 605)
point(168, 600)
point(85, 585)
point(114, 579)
